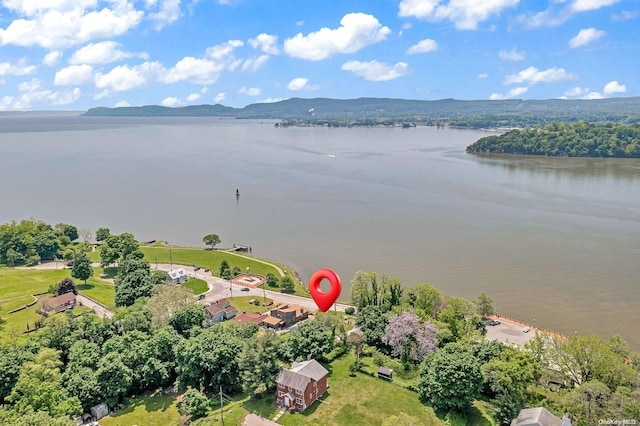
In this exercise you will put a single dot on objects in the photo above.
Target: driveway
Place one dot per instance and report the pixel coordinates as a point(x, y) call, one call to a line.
point(100, 310)
point(508, 332)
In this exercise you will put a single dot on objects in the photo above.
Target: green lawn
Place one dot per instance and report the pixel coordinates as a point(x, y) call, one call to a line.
point(97, 289)
point(195, 285)
point(241, 303)
point(157, 409)
point(360, 400)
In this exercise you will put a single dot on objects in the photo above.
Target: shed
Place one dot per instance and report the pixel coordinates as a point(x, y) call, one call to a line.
point(99, 411)
point(385, 373)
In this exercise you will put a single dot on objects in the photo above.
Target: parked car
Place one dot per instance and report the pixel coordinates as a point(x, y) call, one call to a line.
point(494, 322)
point(207, 270)
point(526, 330)
point(244, 289)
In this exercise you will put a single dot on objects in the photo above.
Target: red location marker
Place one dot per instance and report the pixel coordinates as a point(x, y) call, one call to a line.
point(325, 300)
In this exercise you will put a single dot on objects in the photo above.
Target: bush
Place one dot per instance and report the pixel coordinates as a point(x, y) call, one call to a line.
point(350, 310)
point(194, 403)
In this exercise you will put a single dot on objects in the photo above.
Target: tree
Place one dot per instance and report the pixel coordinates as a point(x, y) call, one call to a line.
point(164, 301)
point(451, 379)
point(66, 286)
point(372, 323)
point(39, 387)
point(68, 231)
point(357, 341)
point(81, 269)
point(258, 363)
point(287, 283)
point(86, 235)
point(211, 240)
point(194, 403)
point(484, 305)
point(102, 234)
point(272, 281)
point(117, 248)
point(11, 359)
point(82, 383)
point(114, 377)
point(311, 339)
point(225, 270)
point(236, 271)
point(409, 338)
point(186, 317)
point(133, 281)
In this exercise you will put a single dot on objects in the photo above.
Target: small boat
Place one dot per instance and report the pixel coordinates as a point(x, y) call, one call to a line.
point(237, 193)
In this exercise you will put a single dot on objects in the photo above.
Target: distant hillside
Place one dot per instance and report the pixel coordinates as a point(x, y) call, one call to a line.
point(480, 113)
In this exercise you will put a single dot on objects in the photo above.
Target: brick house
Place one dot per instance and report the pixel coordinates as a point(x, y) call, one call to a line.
point(302, 385)
point(290, 314)
point(59, 303)
point(220, 310)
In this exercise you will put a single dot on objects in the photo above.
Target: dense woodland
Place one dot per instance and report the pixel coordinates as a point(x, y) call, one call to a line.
point(159, 339)
point(566, 140)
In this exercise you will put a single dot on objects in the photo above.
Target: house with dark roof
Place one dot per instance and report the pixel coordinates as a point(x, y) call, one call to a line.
point(250, 317)
point(59, 303)
point(220, 310)
point(539, 416)
point(301, 385)
point(290, 314)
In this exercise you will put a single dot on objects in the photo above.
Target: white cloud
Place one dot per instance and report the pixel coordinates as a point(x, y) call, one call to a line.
point(532, 75)
point(171, 102)
point(513, 93)
point(625, 15)
point(193, 97)
point(356, 31)
point(51, 59)
point(376, 71)
point(121, 104)
point(255, 64)
point(614, 87)
point(249, 91)
point(585, 37)
point(576, 91)
point(73, 75)
point(483, 76)
point(465, 14)
point(219, 97)
point(266, 42)
point(582, 5)
point(100, 53)
point(123, 77)
point(200, 71)
point(511, 55)
point(33, 96)
point(423, 46)
point(168, 11)
point(7, 68)
point(300, 83)
point(223, 50)
point(63, 23)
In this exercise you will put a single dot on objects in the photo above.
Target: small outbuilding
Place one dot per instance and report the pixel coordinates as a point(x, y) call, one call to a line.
point(539, 416)
point(99, 411)
point(385, 373)
point(177, 276)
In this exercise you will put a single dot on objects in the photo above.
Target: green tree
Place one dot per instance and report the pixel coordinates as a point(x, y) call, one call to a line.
point(11, 359)
point(39, 387)
point(287, 283)
point(211, 240)
point(66, 286)
point(114, 376)
point(82, 383)
point(68, 231)
point(258, 363)
point(372, 322)
point(225, 270)
point(102, 234)
point(133, 281)
point(451, 379)
point(311, 339)
point(484, 305)
point(164, 301)
point(81, 269)
point(194, 403)
point(38, 418)
point(272, 281)
point(186, 317)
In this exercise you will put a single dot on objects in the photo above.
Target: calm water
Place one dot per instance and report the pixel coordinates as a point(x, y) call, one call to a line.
point(557, 240)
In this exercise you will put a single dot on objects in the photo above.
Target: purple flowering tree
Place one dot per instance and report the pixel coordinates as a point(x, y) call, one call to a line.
point(410, 339)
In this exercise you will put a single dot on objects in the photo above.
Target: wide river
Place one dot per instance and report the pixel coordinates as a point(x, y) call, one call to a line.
point(554, 241)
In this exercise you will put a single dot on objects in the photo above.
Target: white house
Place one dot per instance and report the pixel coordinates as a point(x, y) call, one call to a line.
point(177, 276)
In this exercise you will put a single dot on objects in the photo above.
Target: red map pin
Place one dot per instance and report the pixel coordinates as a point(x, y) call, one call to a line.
point(325, 300)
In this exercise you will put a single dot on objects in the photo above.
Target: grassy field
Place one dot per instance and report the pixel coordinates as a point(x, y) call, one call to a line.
point(17, 286)
point(195, 285)
point(98, 289)
point(157, 409)
point(242, 304)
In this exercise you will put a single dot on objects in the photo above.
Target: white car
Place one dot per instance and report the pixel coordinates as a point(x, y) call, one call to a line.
point(526, 330)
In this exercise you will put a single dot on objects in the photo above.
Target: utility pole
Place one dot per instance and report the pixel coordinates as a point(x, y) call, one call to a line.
point(171, 259)
point(221, 407)
point(156, 256)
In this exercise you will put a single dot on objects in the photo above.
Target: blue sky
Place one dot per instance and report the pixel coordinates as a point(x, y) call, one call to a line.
point(77, 54)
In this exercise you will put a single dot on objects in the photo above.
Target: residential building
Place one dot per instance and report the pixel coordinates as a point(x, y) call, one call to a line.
point(59, 303)
point(290, 314)
point(302, 385)
point(250, 317)
point(220, 310)
point(539, 416)
point(177, 276)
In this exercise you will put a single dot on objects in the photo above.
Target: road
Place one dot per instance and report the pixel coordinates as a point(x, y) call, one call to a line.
point(100, 310)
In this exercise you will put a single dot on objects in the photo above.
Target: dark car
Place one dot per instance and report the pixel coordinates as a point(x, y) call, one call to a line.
point(244, 289)
point(494, 322)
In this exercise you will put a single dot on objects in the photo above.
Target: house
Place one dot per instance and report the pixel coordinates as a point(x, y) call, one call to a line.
point(290, 314)
point(272, 322)
point(220, 310)
point(59, 303)
point(250, 317)
point(302, 385)
point(177, 276)
point(539, 416)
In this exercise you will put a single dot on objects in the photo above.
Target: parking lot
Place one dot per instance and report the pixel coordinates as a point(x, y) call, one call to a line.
point(508, 332)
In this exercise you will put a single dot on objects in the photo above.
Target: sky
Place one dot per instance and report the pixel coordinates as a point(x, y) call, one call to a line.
point(78, 54)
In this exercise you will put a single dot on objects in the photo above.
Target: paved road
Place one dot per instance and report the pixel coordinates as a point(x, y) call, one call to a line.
point(100, 310)
point(508, 332)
